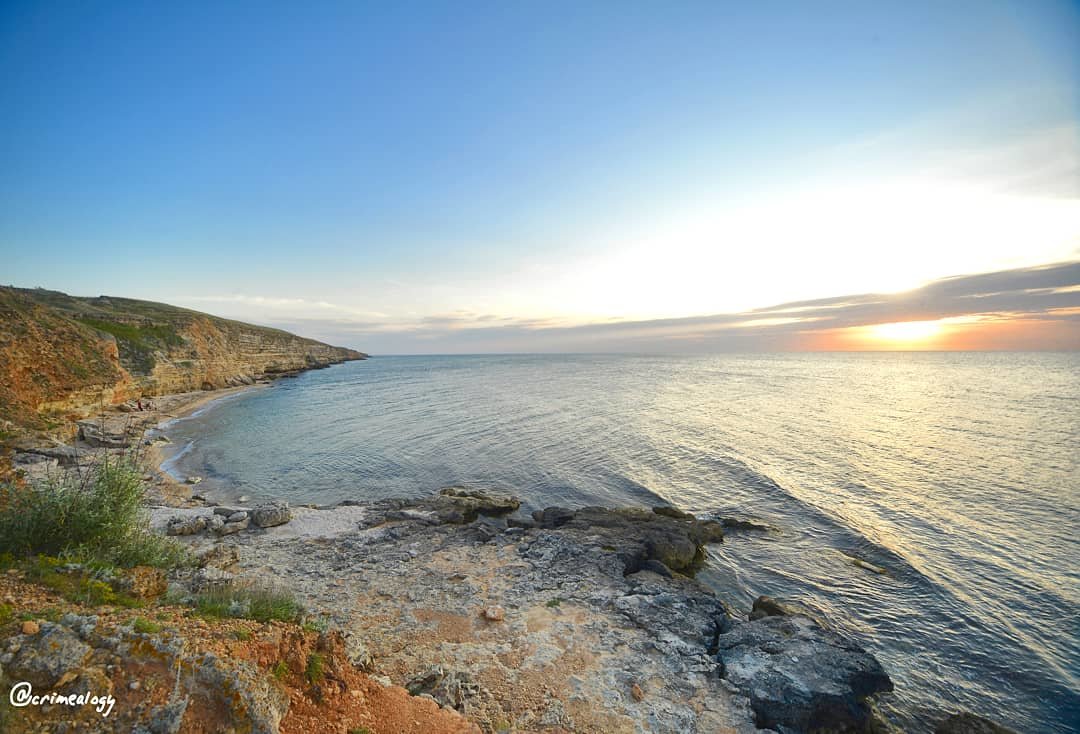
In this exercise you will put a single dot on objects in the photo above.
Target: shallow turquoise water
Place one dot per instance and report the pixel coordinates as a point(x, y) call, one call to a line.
point(956, 472)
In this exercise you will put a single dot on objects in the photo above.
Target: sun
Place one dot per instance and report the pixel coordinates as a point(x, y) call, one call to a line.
point(906, 331)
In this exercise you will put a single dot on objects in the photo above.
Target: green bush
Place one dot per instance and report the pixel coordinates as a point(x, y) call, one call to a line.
point(94, 515)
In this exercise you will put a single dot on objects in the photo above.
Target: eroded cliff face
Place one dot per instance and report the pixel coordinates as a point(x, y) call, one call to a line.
point(215, 353)
point(63, 358)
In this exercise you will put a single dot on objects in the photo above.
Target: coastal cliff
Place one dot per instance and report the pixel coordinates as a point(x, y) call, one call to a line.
point(64, 357)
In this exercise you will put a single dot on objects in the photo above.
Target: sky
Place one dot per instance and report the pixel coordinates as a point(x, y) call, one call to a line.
point(519, 177)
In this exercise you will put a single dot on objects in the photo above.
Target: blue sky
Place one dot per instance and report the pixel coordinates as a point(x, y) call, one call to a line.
point(390, 177)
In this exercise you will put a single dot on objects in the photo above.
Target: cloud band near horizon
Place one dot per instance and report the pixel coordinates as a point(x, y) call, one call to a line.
point(1034, 308)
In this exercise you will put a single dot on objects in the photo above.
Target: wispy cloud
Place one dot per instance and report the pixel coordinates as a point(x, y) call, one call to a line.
point(1046, 298)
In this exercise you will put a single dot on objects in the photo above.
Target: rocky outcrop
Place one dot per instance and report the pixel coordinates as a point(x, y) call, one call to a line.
point(271, 514)
point(74, 655)
point(115, 672)
point(800, 676)
point(572, 620)
point(675, 539)
point(63, 358)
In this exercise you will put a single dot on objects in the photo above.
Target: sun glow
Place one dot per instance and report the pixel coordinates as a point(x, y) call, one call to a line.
point(906, 331)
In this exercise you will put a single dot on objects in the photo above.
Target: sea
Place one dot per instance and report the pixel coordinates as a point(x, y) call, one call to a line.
point(954, 473)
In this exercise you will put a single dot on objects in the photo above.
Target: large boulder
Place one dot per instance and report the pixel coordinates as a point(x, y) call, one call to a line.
point(64, 455)
point(766, 606)
point(271, 514)
point(106, 433)
point(468, 503)
point(186, 525)
point(800, 676)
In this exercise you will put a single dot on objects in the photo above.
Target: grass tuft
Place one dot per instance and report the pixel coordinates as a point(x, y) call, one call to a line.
point(145, 626)
point(315, 672)
point(239, 600)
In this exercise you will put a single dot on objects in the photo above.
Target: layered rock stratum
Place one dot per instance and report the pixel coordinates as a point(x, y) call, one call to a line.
point(64, 357)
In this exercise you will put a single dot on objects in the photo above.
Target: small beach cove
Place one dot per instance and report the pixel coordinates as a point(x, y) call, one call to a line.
point(406, 427)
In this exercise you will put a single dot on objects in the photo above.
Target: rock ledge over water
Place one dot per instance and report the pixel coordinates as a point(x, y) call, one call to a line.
point(584, 620)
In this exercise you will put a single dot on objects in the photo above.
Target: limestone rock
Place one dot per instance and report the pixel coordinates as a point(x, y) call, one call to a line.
point(471, 503)
point(168, 718)
point(106, 433)
point(766, 606)
point(800, 676)
point(219, 556)
point(357, 653)
point(493, 613)
point(64, 455)
point(256, 705)
point(640, 535)
point(271, 514)
point(232, 527)
point(675, 512)
point(143, 582)
point(43, 659)
point(186, 525)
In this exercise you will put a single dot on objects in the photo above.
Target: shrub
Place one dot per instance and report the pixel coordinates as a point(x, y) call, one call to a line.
point(94, 515)
point(314, 671)
point(280, 670)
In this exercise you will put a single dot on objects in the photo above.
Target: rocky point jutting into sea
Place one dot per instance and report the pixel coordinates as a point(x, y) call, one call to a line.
point(450, 612)
point(573, 620)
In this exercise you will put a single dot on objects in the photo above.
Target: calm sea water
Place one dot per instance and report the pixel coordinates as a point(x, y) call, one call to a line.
point(957, 473)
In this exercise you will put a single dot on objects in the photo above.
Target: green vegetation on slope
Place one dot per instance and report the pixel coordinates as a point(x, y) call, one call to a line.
point(93, 516)
point(137, 343)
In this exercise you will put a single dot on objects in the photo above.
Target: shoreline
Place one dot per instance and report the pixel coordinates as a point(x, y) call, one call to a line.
point(124, 429)
point(475, 601)
point(157, 455)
